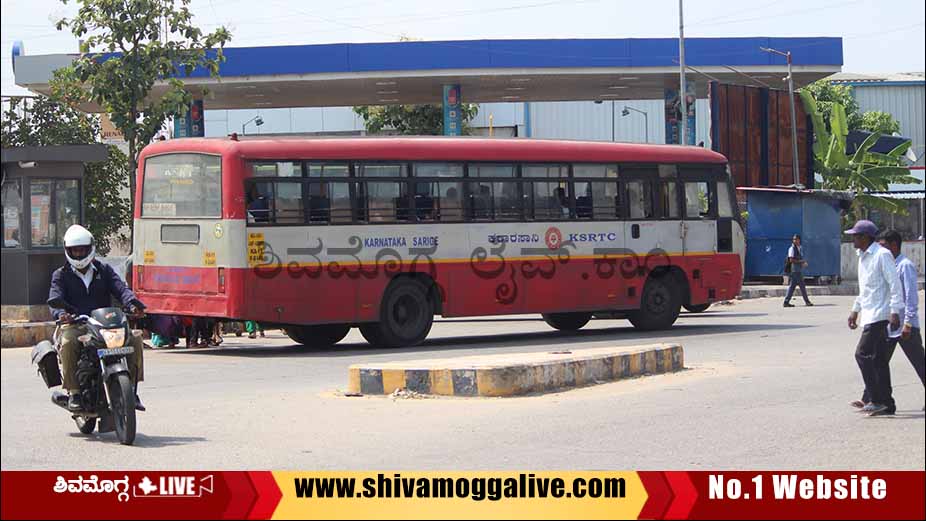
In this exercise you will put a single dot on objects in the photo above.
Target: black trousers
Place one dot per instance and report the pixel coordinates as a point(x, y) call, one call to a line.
point(794, 280)
point(873, 357)
point(913, 348)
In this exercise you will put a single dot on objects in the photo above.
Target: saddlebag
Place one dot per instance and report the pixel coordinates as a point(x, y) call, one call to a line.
point(46, 358)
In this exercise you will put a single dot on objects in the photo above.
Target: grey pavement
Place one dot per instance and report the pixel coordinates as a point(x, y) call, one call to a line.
point(767, 388)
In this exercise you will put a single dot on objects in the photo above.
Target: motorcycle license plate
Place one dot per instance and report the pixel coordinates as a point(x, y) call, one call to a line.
point(115, 351)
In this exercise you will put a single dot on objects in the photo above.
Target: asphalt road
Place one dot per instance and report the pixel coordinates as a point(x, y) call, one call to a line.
point(767, 388)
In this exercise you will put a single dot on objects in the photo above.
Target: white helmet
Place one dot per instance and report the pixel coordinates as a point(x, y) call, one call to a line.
point(78, 236)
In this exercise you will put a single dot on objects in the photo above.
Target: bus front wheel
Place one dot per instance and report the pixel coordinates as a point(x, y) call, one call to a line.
point(659, 306)
point(567, 321)
point(405, 318)
point(318, 336)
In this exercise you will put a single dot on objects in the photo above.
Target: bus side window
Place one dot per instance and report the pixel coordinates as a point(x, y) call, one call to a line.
point(668, 200)
point(439, 201)
point(381, 200)
point(547, 192)
point(640, 199)
point(319, 203)
point(491, 199)
point(288, 203)
point(724, 204)
point(384, 201)
point(329, 199)
point(259, 202)
point(598, 198)
point(698, 200)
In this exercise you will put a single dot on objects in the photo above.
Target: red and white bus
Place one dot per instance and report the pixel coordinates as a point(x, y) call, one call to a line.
point(323, 234)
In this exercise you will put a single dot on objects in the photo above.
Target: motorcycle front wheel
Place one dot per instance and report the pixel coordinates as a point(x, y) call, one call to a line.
point(122, 402)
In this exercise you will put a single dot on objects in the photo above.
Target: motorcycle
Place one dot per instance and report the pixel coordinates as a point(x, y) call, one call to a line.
point(107, 391)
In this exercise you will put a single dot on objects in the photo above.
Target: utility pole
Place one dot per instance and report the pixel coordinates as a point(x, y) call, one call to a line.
point(790, 79)
point(683, 91)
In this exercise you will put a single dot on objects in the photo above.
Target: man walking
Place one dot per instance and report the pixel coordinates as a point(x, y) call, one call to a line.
point(910, 339)
point(878, 304)
point(796, 278)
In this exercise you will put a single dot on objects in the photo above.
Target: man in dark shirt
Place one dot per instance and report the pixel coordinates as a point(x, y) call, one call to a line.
point(796, 278)
point(86, 284)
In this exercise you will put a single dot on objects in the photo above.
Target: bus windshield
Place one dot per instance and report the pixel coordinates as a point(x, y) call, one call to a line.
point(182, 185)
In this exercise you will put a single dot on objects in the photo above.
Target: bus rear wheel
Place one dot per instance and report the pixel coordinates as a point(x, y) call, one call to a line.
point(567, 321)
point(659, 306)
point(318, 336)
point(405, 318)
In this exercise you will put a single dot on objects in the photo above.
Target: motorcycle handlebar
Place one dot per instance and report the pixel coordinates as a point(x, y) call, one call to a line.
point(73, 320)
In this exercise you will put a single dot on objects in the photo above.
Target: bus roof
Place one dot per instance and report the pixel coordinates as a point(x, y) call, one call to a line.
point(436, 148)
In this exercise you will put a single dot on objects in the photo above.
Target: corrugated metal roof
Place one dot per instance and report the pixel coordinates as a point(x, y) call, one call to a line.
point(852, 77)
point(901, 195)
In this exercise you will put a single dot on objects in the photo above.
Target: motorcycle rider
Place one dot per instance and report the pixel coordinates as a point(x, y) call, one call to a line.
point(87, 284)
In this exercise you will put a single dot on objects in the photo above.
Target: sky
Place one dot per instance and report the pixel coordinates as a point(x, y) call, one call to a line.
point(878, 36)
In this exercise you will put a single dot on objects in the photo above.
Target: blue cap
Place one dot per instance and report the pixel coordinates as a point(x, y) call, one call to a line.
point(863, 227)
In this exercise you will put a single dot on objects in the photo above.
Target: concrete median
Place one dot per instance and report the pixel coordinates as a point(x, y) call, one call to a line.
point(515, 374)
point(25, 334)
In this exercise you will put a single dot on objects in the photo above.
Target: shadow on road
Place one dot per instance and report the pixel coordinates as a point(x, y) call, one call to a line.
point(534, 339)
point(684, 314)
point(142, 440)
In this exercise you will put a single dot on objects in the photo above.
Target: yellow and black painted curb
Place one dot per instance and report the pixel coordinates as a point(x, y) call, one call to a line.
point(506, 376)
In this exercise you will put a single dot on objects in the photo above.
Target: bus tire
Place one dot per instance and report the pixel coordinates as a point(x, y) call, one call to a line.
point(325, 335)
point(567, 321)
point(405, 316)
point(659, 306)
point(697, 308)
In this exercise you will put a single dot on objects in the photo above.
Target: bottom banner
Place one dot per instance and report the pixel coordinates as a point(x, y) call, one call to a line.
point(459, 495)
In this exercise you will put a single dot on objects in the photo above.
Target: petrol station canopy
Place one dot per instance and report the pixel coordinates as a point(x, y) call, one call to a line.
point(487, 70)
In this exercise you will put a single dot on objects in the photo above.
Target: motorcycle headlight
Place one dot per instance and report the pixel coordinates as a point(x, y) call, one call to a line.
point(113, 337)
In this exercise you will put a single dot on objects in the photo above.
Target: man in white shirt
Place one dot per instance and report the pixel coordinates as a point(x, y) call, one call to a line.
point(878, 304)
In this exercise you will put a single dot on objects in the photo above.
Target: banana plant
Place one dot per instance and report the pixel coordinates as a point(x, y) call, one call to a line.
point(860, 173)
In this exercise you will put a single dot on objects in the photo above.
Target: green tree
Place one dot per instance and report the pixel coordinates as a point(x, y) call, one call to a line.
point(125, 52)
point(414, 120)
point(860, 173)
point(827, 94)
point(880, 122)
point(45, 123)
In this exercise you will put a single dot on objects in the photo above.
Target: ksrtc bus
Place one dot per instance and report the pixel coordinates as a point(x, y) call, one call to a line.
point(318, 235)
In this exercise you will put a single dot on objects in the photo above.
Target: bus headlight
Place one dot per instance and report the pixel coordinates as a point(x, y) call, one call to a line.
point(113, 337)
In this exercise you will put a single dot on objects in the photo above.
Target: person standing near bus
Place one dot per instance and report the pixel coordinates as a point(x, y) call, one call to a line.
point(878, 305)
point(797, 263)
point(910, 339)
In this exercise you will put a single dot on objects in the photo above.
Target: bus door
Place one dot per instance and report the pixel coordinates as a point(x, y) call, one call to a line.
point(653, 228)
point(700, 242)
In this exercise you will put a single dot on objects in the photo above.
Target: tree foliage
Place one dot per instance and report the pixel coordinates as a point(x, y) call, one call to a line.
point(827, 95)
point(414, 120)
point(46, 123)
point(130, 64)
point(863, 171)
point(880, 122)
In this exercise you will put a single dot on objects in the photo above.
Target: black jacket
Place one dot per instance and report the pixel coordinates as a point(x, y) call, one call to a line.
point(106, 283)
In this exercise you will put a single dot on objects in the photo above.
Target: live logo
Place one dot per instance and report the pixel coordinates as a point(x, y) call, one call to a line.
point(170, 486)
